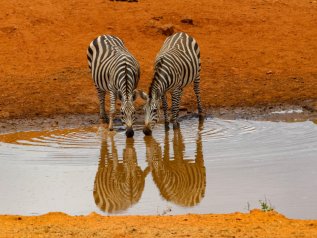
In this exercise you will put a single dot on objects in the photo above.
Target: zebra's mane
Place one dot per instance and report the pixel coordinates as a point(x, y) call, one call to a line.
point(151, 89)
point(158, 66)
point(126, 80)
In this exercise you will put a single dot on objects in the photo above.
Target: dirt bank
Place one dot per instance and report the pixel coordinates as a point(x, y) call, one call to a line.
point(287, 113)
point(254, 224)
point(253, 52)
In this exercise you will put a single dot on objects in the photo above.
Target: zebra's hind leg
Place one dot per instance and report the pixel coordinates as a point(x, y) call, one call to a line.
point(165, 108)
point(102, 112)
point(176, 98)
point(112, 109)
point(197, 93)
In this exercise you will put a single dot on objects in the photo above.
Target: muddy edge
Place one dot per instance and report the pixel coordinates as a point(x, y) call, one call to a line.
point(288, 113)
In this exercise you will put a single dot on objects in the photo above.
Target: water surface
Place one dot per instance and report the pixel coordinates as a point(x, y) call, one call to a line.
point(220, 166)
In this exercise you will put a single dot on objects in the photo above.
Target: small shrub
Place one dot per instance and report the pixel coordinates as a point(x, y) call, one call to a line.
point(266, 206)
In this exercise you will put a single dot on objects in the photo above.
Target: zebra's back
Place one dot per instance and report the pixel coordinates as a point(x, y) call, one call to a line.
point(111, 63)
point(178, 61)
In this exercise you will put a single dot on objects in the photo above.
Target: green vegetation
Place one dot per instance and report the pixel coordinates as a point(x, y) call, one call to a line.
point(266, 206)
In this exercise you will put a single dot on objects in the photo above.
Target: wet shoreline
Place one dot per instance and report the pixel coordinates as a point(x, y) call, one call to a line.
point(284, 113)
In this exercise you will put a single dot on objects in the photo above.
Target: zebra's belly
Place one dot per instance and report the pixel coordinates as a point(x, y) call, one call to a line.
point(181, 84)
point(101, 81)
point(104, 86)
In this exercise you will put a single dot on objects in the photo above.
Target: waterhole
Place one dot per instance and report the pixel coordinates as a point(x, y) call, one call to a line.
point(218, 166)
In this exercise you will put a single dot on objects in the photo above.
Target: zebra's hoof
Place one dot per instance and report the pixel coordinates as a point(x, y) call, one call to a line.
point(147, 131)
point(104, 120)
point(167, 126)
point(201, 117)
point(129, 133)
point(176, 125)
point(110, 129)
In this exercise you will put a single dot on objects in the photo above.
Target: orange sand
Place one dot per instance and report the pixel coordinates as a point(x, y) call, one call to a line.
point(254, 52)
point(254, 224)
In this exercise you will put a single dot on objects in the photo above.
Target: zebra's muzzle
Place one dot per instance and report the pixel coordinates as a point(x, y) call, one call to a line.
point(147, 131)
point(129, 132)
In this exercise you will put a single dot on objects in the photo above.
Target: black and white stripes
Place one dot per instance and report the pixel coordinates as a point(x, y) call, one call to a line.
point(116, 71)
point(177, 65)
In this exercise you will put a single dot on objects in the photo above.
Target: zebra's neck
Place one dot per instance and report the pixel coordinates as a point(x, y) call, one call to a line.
point(156, 89)
point(125, 88)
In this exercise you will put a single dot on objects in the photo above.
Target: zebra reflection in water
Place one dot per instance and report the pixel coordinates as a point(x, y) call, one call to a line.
point(181, 181)
point(118, 183)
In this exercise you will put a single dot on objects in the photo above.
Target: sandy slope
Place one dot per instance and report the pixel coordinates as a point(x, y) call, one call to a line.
point(253, 51)
point(255, 224)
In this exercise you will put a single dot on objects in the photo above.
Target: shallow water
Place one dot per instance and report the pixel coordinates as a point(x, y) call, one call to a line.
point(219, 166)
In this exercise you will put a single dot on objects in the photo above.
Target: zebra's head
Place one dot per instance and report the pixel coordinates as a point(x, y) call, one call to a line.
point(127, 111)
point(152, 112)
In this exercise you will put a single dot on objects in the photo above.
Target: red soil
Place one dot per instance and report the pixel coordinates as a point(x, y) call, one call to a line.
point(253, 52)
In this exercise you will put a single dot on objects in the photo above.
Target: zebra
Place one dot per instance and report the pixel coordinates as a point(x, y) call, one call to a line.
point(180, 181)
point(177, 64)
point(118, 183)
point(115, 70)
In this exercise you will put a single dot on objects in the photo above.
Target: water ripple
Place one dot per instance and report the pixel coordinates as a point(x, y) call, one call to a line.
point(225, 134)
point(220, 164)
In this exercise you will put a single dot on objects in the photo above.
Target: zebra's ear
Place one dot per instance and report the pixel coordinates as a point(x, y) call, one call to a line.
point(135, 94)
point(159, 95)
point(143, 95)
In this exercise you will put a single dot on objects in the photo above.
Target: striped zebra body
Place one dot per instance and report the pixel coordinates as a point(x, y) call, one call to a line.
point(177, 65)
point(114, 70)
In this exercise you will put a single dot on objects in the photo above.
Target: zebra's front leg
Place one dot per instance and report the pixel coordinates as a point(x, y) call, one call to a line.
point(176, 98)
point(197, 93)
point(165, 108)
point(102, 112)
point(112, 109)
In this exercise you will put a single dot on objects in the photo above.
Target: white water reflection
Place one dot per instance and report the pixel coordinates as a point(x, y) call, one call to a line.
point(244, 162)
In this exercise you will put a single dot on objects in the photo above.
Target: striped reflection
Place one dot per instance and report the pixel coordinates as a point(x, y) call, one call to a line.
point(181, 181)
point(118, 183)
